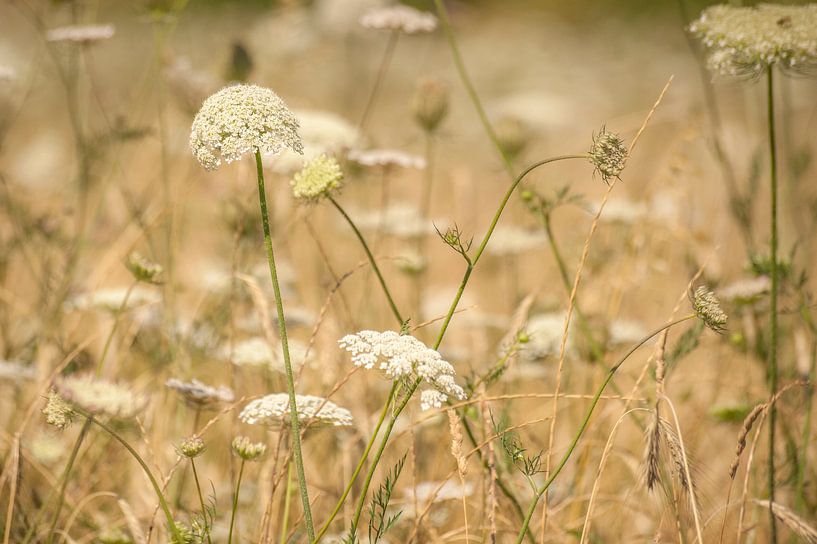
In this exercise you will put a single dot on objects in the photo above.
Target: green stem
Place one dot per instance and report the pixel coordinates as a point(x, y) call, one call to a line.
point(442, 13)
point(282, 329)
point(586, 422)
point(372, 260)
point(381, 75)
point(285, 517)
point(201, 499)
point(472, 262)
point(773, 299)
point(116, 318)
point(162, 502)
point(359, 467)
point(235, 502)
point(64, 483)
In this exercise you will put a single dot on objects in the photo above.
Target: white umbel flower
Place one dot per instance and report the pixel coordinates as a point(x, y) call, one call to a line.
point(403, 18)
point(111, 299)
point(273, 410)
point(82, 34)
point(387, 158)
point(200, 395)
point(404, 357)
point(99, 397)
point(242, 119)
point(746, 40)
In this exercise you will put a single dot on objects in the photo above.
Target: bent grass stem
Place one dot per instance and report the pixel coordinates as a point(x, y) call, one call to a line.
point(586, 422)
point(282, 330)
point(235, 502)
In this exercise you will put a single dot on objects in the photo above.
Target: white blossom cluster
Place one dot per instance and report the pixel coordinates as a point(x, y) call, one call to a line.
point(100, 397)
point(405, 357)
point(745, 41)
point(242, 119)
point(112, 299)
point(273, 410)
point(82, 34)
point(199, 394)
point(387, 158)
point(399, 17)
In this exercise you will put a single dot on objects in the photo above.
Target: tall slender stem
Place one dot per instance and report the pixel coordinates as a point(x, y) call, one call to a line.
point(282, 329)
point(381, 75)
point(201, 499)
point(285, 516)
point(66, 474)
point(372, 260)
point(586, 422)
point(359, 466)
point(773, 299)
point(235, 502)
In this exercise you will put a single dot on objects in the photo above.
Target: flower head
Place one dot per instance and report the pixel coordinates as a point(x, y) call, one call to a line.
point(320, 177)
point(403, 357)
point(745, 41)
point(242, 119)
point(113, 299)
point(100, 397)
point(708, 309)
point(143, 269)
point(191, 447)
point(273, 410)
point(57, 412)
point(608, 154)
point(248, 451)
point(387, 158)
point(430, 104)
point(403, 18)
point(200, 395)
point(82, 34)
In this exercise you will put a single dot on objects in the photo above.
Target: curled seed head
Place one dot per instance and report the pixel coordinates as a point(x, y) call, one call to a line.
point(608, 154)
point(57, 412)
point(319, 178)
point(191, 447)
point(708, 309)
point(248, 451)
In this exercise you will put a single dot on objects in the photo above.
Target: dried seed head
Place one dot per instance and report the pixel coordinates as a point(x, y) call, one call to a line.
point(143, 269)
point(401, 18)
point(200, 395)
point(708, 309)
point(191, 447)
point(319, 178)
point(242, 119)
point(100, 397)
point(273, 410)
point(608, 154)
point(57, 412)
point(745, 41)
point(430, 104)
point(248, 451)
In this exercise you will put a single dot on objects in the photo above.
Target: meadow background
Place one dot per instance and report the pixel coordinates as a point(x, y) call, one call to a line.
point(95, 163)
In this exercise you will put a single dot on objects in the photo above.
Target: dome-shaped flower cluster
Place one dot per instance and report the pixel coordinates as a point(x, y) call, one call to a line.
point(273, 410)
point(405, 357)
point(744, 41)
point(320, 177)
point(99, 397)
point(402, 18)
point(242, 119)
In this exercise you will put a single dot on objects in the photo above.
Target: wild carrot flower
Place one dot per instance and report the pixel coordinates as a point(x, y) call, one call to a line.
point(399, 17)
point(387, 158)
point(256, 351)
point(81, 34)
point(708, 309)
point(319, 178)
point(191, 447)
point(745, 41)
point(273, 410)
point(200, 395)
point(608, 154)
point(57, 412)
point(112, 299)
point(746, 291)
point(247, 450)
point(242, 119)
point(99, 397)
point(16, 371)
point(403, 357)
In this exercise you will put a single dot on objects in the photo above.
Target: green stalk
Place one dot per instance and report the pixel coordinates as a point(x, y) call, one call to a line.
point(359, 466)
point(64, 483)
point(116, 318)
point(235, 502)
point(162, 502)
point(381, 75)
point(372, 260)
point(282, 329)
point(586, 422)
point(773, 299)
point(201, 499)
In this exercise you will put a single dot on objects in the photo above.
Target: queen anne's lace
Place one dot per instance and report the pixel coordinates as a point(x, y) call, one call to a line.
point(273, 410)
point(405, 357)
